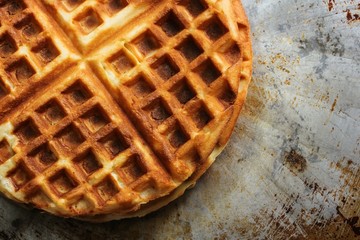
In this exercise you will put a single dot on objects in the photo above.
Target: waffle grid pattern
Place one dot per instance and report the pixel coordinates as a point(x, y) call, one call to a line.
point(169, 83)
point(76, 127)
point(87, 15)
point(154, 70)
point(90, 21)
point(30, 50)
point(26, 26)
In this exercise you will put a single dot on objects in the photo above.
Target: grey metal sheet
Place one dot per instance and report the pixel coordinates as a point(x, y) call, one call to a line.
point(291, 168)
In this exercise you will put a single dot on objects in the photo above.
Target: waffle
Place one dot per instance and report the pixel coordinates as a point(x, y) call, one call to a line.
point(111, 109)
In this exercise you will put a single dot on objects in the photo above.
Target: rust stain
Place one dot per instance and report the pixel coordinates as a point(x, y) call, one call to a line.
point(346, 8)
point(312, 223)
point(353, 222)
point(262, 62)
point(281, 68)
point(279, 58)
point(328, 229)
point(321, 228)
point(325, 97)
point(334, 104)
point(352, 17)
point(295, 162)
point(348, 212)
point(331, 4)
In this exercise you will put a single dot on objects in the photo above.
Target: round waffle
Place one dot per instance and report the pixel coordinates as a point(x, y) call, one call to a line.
point(111, 108)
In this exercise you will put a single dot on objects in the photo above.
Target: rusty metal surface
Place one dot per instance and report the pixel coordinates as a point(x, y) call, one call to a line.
point(291, 169)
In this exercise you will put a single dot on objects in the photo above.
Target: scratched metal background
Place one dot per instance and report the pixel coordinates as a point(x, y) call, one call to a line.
point(291, 169)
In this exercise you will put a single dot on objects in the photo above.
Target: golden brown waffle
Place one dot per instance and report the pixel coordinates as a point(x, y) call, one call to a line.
point(111, 108)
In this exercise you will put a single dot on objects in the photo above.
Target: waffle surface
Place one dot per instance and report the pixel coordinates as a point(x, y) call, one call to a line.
point(111, 108)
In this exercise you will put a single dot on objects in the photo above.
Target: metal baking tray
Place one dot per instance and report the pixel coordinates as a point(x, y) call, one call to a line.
point(291, 168)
